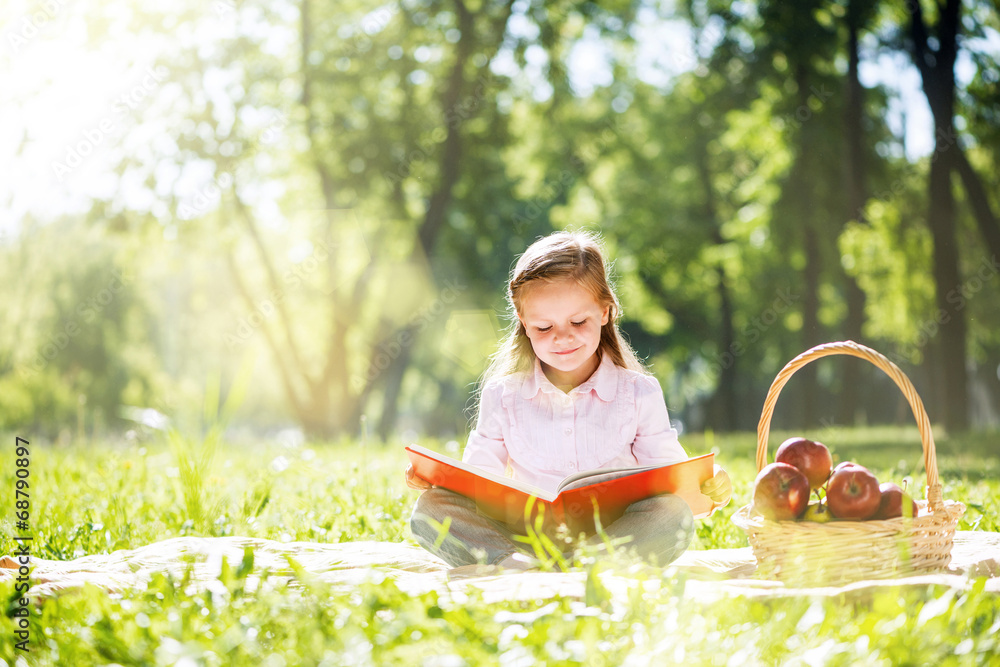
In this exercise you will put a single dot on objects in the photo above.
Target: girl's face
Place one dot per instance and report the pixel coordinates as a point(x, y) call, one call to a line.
point(563, 322)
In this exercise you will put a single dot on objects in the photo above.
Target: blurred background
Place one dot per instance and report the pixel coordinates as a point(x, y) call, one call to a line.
point(327, 197)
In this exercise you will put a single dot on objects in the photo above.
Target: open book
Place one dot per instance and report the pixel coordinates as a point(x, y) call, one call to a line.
point(505, 499)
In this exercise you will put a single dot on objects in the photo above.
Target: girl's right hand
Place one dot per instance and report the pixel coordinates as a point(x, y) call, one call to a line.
point(414, 482)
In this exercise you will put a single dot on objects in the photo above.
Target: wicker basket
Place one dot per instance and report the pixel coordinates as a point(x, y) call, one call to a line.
point(810, 553)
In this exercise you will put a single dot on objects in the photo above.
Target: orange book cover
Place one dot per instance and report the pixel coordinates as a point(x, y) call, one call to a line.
point(614, 490)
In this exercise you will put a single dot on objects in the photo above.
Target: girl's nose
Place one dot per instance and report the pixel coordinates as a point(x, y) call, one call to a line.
point(564, 334)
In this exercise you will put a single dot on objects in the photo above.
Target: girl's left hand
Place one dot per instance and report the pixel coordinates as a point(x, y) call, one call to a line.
point(414, 482)
point(719, 488)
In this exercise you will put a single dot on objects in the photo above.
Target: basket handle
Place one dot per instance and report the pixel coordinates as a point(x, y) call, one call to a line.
point(849, 347)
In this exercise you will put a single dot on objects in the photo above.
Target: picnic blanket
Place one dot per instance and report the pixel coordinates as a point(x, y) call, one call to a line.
point(708, 574)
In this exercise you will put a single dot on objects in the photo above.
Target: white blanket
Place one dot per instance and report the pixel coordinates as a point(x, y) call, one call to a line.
point(706, 574)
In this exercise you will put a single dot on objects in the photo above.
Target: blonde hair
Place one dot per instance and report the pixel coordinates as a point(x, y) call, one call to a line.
point(563, 255)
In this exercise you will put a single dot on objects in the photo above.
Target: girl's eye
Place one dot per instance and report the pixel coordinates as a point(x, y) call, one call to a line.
point(542, 329)
point(579, 324)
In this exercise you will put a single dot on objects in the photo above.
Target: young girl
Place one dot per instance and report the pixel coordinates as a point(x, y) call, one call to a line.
point(564, 393)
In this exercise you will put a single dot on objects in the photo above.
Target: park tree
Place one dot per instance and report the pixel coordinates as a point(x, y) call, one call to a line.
point(78, 345)
point(934, 43)
point(329, 184)
point(857, 158)
point(363, 123)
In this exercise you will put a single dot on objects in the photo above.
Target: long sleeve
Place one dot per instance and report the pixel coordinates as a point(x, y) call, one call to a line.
point(655, 439)
point(486, 448)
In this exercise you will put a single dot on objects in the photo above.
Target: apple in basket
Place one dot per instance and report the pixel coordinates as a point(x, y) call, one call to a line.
point(853, 493)
point(817, 512)
point(780, 492)
point(809, 456)
point(892, 502)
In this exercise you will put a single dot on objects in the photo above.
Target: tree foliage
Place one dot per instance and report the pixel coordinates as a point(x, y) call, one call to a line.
point(340, 189)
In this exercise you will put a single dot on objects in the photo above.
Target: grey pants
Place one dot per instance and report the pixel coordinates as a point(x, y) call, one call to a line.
point(660, 529)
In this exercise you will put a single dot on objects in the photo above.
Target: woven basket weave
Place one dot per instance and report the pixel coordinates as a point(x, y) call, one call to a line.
point(806, 552)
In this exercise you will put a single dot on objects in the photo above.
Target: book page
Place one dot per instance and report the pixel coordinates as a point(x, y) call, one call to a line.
point(587, 478)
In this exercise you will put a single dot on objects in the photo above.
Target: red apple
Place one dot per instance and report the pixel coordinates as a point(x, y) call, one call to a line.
point(852, 493)
point(781, 492)
point(809, 456)
point(892, 500)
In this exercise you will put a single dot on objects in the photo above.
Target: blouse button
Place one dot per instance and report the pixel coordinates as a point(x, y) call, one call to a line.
point(568, 431)
point(572, 466)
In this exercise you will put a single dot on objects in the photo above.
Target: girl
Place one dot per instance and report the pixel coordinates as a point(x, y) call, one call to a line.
point(564, 393)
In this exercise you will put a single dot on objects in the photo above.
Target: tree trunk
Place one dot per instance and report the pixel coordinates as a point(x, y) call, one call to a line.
point(808, 380)
point(393, 388)
point(852, 378)
point(937, 71)
point(812, 271)
point(950, 344)
point(723, 410)
point(322, 401)
point(989, 228)
point(449, 168)
point(725, 392)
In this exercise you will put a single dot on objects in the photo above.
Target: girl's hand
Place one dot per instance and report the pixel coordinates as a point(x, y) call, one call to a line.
point(414, 482)
point(719, 488)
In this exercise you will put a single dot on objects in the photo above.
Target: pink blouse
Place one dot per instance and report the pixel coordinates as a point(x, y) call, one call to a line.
point(616, 418)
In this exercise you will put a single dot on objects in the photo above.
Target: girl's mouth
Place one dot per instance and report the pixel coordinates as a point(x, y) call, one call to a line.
point(569, 351)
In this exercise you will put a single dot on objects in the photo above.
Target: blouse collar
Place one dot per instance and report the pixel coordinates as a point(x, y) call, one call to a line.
point(603, 381)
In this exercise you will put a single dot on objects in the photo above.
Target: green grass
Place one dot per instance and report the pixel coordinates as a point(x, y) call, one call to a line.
point(90, 500)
